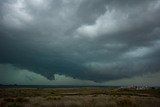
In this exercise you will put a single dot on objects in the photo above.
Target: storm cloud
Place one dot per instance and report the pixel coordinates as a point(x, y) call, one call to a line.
point(95, 40)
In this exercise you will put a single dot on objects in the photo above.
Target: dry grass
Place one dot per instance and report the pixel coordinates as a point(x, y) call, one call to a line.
point(80, 97)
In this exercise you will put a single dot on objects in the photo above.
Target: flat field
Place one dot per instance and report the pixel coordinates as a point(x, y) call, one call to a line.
point(79, 97)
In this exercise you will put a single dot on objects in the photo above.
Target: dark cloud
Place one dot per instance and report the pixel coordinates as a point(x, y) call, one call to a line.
point(97, 40)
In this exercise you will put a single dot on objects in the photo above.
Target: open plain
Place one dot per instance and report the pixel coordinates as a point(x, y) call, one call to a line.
point(79, 97)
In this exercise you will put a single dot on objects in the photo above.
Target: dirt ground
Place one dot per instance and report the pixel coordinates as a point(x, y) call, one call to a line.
point(78, 97)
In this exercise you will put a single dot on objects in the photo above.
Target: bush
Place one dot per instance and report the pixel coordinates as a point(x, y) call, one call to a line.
point(21, 100)
point(9, 99)
point(14, 105)
point(124, 102)
point(53, 98)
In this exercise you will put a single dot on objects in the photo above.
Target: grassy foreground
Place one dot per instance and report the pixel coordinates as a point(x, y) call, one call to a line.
point(78, 97)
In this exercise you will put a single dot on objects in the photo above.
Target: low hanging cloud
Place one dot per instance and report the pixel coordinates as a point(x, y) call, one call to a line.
point(26, 77)
point(99, 40)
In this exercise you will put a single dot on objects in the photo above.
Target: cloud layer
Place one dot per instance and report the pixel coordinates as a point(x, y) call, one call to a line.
point(98, 40)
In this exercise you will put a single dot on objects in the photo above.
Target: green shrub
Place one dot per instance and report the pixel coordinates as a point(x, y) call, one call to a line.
point(21, 100)
point(14, 105)
point(124, 102)
point(57, 98)
point(53, 98)
point(9, 99)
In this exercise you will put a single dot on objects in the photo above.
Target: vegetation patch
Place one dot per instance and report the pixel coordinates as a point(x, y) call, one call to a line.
point(53, 98)
point(124, 101)
point(21, 100)
point(8, 99)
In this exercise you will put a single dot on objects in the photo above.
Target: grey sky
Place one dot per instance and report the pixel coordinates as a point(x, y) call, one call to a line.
point(88, 40)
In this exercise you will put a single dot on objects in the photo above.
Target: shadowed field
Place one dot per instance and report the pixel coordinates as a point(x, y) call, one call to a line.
point(78, 97)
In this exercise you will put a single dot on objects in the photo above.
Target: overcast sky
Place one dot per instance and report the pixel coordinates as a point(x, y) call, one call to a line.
point(91, 42)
